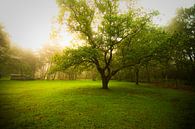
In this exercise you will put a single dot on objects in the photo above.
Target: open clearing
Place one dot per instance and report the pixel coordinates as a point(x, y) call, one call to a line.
point(83, 105)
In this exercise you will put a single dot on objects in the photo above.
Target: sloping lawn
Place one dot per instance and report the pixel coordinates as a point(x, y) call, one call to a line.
point(83, 105)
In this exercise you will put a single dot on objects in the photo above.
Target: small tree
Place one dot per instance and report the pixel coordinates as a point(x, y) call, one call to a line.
point(108, 34)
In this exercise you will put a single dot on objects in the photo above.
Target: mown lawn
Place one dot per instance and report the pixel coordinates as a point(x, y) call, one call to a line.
point(83, 105)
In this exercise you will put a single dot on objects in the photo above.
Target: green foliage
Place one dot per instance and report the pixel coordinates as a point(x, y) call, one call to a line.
point(109, 36)
point(82, 104)
point(182, 44)
point(74, 57)
point(183, 29)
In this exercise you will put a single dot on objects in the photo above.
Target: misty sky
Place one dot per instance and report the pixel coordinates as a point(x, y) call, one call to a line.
point(29, 22)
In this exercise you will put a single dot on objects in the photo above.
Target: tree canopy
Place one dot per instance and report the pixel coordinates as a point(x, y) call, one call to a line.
point(182, 29)
point(114, 40)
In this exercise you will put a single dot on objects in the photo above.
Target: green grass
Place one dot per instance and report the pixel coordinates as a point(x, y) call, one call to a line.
point(83, 105)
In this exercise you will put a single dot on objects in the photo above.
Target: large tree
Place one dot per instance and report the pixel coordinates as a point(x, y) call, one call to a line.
point(182, 43)
point(183, 25)
point(108, 34)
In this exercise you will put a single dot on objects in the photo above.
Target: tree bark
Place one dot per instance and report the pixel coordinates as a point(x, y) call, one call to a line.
point(148, 74)
point(137, 76)
point(54, 76)
point(105, 83)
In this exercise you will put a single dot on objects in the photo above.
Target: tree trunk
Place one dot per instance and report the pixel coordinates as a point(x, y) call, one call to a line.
point(148, 74)
point(105, 83)
point(54, 76)
point(105, 77)
point(137, 76)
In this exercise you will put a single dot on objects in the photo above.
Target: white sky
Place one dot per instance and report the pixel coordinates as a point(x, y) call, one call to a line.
point(29, 22)
point(167, 8)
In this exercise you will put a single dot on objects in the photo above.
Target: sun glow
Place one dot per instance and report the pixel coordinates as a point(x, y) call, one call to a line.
point(60, 36)
point(30, 23)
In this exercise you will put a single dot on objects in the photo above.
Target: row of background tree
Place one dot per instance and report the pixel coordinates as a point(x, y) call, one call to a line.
point(171, 58)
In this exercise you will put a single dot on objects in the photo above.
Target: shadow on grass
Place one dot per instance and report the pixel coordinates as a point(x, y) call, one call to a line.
point(113, 91)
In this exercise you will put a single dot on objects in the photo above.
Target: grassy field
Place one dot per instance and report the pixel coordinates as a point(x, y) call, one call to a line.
point(83, 105)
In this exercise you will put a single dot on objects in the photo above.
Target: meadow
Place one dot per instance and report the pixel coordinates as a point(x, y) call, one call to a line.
point(84, 105)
